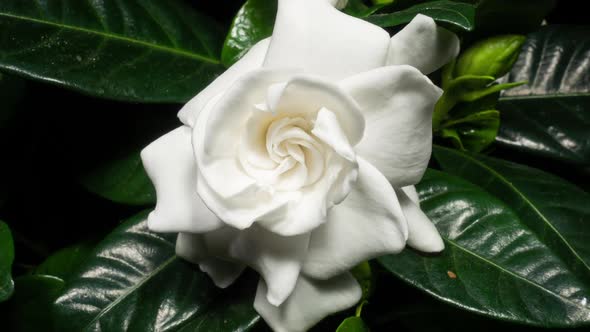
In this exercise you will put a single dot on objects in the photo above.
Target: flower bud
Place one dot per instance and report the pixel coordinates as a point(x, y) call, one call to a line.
point(490, 57)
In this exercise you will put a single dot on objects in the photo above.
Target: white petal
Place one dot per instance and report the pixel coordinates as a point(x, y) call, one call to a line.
point(367, 224)
point(222, 183)
point(310, 210)
point(423, 45)
point(219, 127)
point(308, 94)
point(247, 207)
point(250, 61)
point(316, 37)
point(327, 128)
point(278, 259)
point(170, 164)
point(339, 4)
point(310, 302)
point(423, 235)
point(193, 248)
point(397, 102)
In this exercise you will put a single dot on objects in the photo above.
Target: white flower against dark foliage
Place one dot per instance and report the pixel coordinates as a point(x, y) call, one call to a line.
point(299, 160)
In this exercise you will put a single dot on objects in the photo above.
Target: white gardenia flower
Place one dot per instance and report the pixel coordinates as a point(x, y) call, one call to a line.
point(300, 160)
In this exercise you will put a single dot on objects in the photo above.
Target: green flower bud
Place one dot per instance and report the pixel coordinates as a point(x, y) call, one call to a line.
point(490, 57)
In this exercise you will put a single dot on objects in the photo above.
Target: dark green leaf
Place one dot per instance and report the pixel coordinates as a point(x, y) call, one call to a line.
point(31, 306)
point(123, 181)
point(493, 263)
point(554, 209)
point(134, 281)
point(353, 324)
point(550, 116)
point(11, 91)
point(254, 22)
point(137, 50)
point(358, 8)
point(495, 17)
point(6, 258)
point(63, 263)
point(456, 14)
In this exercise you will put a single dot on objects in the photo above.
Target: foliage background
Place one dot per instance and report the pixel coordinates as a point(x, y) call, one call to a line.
point(69, 175)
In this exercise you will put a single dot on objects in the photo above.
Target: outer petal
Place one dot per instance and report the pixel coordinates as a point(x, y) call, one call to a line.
point(398, 102)
point(193, 247)
point(278, 259)
point(423, 45)
point(170, 164)
point(310, 302)
point(250, 61)
point(423, 235)
point(316, 37)
point(367, 224)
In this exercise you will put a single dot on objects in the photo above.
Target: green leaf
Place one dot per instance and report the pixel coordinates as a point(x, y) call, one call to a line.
point(550, 116)
point(493, 263)
point(134, 281)
point(64, 262)
point(496, 17)
point(456, 14)
point(6, 258)
point(254, 22)
point(31, 306)
point(353, 324)
point(554, 209)
point(469, 89)
point(11, 92)
point(474, 132)
point(136, 50)
point(358, 8)
point(123, 181)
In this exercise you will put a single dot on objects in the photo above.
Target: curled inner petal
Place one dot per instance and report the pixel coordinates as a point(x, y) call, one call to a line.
point(280, 151)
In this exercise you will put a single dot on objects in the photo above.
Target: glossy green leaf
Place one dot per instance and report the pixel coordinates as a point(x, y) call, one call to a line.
point(254, 22)
point(550, 116)
point(137, 50)
point(11, 92)
point(456, 14)
point(30, 309)
point(123, 181)
point(6, 258)
point(353, 324)
point(553, 208)
point(64, 262)
point(494, 263)
point(134, 281)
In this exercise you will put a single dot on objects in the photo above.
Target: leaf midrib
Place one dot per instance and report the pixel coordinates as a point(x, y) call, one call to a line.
point(524, 198)
point(130, 290)
point(176, 51)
